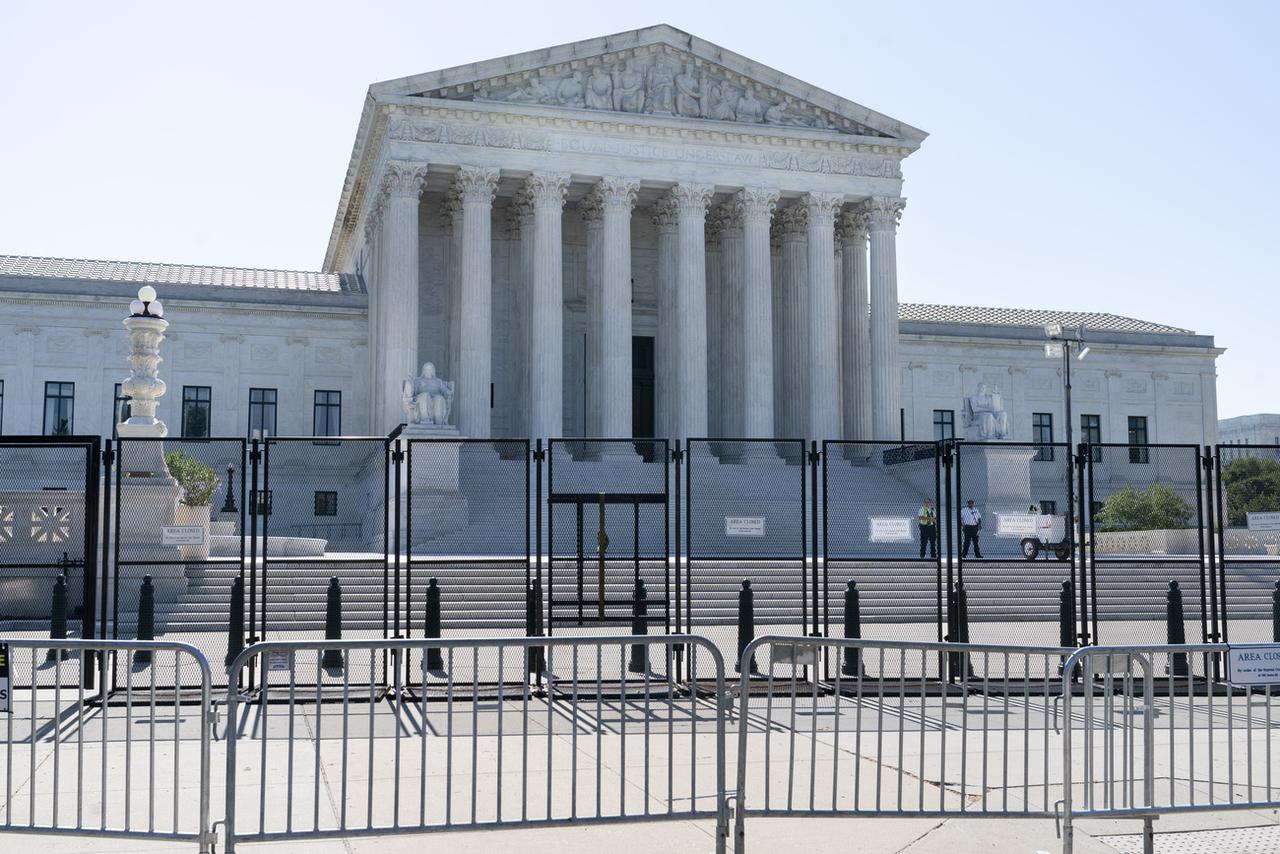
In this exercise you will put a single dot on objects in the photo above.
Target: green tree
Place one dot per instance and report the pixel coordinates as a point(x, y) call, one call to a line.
point(1251, 485)
point(198, 481)
point(1156, 508)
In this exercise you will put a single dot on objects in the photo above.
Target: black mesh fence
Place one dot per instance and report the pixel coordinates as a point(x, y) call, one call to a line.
point(48, 530)
point(1013, 520)
point(1145, 519)
point(179, 519)
point(607, 527)
point(746, 506)
point(883, 528)
point(1247, 523)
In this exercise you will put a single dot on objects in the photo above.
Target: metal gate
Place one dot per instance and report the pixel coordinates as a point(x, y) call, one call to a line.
point(872, 539)
point(1244, 554)
point(49, 530)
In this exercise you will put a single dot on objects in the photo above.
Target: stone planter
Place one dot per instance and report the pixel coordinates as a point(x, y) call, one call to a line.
point(194, 516)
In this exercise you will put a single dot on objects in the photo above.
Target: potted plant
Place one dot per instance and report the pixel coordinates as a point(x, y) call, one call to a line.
point(198, 482)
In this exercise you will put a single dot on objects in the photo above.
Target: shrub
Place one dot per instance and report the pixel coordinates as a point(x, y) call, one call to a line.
point(1251, 485)
point(1156, 508)
point(198, 481)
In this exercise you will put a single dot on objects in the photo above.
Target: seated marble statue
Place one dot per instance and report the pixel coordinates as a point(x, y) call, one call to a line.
point(427, 399)
point(984, 415)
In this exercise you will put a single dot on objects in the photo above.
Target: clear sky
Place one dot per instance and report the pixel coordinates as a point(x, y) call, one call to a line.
point(1104, 156)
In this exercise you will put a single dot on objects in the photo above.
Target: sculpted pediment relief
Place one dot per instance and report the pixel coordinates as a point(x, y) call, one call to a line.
point(656, 80)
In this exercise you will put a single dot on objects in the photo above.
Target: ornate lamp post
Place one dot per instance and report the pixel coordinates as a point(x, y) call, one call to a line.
point(144, 388)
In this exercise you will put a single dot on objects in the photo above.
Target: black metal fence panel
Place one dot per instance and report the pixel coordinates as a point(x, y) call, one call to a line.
point(608, 528)
point(1246, 572)
point(49, 525)
point(1013, 522)
point(1146, 529)
point(882, 528)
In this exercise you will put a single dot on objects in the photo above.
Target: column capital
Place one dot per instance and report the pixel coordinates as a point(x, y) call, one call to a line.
point(615, 194)
point(714, 229)
point(729, 216)
point(795, 222)
point(476, 184)
point(755, 203)
point(884, 212)
point(822, 207)
point(692, 198)
point(403, 179)
point(852, 225)
point(665, 215)
point(547, 189)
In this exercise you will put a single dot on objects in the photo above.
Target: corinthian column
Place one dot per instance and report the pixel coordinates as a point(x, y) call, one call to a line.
point(755, 208)
point(521, 224)
point(691, 300)
point(475, 187)
point(886, 391)
point(715, 326)
point(823, 336)
point(732, 264)
point(794, 323)
point(855, 325)
point(593, 220)
point(398, 284)
point(546, 190)
point(667, 345)
point(615, 197)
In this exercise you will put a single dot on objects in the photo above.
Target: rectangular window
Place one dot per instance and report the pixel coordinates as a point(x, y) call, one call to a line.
point(326, 504)
point(1091, 432)
point(262, 412)
point(944, 424)
point(196, 411)
point(1042, 435)
point(1048, 508)
point(59, 408)
point(327, 416)
point(1137, 437)
point(120, 409)
point(260, 502)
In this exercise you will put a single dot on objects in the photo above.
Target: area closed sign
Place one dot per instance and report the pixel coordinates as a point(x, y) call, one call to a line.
point(744, 526)
point(1253, 664)
point(4, 677)
point(182, 535)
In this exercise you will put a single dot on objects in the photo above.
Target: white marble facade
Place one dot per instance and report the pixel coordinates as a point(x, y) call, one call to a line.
point(518, 222)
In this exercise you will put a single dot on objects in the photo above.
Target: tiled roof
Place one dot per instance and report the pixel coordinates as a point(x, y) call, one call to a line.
point(178, 274)
point(1098, 321)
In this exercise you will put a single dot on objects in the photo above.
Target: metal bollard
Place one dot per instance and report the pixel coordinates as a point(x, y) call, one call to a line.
point(534, 661)
point(235, 625)
point(639, 626)
point(746, 624)
point(146, 619)
point(1275, 614)
point(431, 626)
point(332, 658)
point(852, 629)
point(58, 619)
point(1176, 628)
point(958, 607)
point(1066, 621)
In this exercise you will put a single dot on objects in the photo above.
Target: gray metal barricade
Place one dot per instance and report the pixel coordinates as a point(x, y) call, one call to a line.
point(890, 728)
point(125, 749)
point(1156, 732)
point(536, 731)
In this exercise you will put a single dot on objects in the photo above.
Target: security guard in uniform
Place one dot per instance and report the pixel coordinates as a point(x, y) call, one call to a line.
point(927, 517)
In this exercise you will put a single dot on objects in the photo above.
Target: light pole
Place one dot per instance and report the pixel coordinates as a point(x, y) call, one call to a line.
point(1060, 345)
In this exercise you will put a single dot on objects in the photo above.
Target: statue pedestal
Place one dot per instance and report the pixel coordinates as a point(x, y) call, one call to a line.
point(998, 479)
point(433, 483)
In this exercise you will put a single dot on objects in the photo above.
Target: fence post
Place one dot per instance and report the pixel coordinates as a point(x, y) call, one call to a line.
point(332, 658)
point(1275, 614)
point(1066, 621)
point(852, 629)
point(532, 604)
point(235, 630)
point(746, 624)
point(958, 605)
point(431, 626)
point(58, 619)
point(1177, 630)
point(639, 626)
point(146, 619)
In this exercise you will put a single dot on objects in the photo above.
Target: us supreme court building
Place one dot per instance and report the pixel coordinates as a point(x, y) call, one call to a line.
point(643, 234)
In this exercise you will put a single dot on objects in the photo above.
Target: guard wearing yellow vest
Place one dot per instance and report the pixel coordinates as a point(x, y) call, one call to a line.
point(927, 518)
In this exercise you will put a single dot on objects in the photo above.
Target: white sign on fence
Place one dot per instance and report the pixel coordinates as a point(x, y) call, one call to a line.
point(795, 654)
point(1017, 524)
point(1264, 521)
point(744, 526)
point(1253, 664)
point(4, 678)
point(890, 529)
point(182, 535)
point(278, 659)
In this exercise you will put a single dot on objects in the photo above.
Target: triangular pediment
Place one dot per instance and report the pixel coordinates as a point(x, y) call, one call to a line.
point(657, 71)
